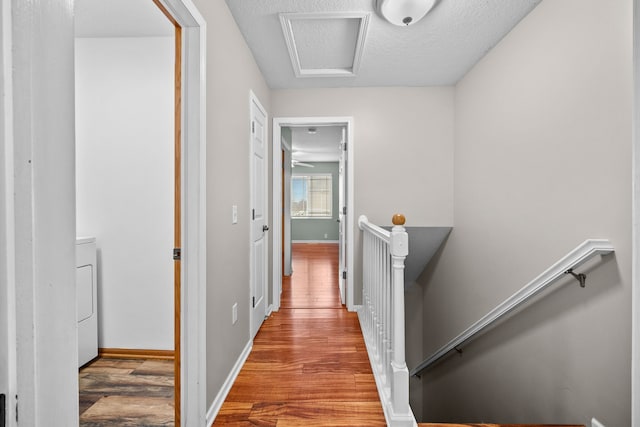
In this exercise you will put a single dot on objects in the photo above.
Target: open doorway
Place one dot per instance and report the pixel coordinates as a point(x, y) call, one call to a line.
point(127, 214)
point(139, 188)
point(46, 374)
point(312, 191)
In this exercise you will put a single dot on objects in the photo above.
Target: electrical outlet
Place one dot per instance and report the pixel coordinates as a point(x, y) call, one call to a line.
point(234, 313)
point(234, 214)
point(596, 423)
point(326, 235)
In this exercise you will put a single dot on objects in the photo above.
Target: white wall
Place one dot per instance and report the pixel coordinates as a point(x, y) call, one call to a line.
point(542, 162)
point(125, 176)
point(7, 279)
point(42, 190)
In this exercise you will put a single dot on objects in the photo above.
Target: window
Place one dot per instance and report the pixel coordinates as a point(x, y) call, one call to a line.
point(311, 196)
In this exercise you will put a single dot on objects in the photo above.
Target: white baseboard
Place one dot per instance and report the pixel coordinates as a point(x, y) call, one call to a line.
point(212, 413)
point(315, 241)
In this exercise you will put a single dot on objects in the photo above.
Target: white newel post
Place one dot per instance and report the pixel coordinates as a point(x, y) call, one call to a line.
point(400, 381)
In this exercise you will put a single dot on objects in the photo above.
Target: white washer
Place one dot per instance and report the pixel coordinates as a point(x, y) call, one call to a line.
point(87, 299)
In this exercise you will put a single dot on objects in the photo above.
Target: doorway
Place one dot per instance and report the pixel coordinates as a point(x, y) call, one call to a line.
point(44, 209)
point(283, 206)
point(141, 118)
point(126, 173)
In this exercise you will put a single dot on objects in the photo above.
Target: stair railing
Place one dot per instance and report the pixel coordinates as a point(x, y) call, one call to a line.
point(382, 315)
point(565, 266)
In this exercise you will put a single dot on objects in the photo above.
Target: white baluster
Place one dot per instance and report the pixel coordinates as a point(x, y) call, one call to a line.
point(400, 382)
point(382, 315)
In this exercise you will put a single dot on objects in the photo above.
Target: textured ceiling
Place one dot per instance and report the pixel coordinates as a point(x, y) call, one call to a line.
point(438, 50)
point(323, 146)
point(120, 18)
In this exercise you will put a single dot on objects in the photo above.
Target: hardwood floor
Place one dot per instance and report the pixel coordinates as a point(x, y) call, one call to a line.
point(314, 282)
point(308, 365)
point(126, 392)
point(496, 425)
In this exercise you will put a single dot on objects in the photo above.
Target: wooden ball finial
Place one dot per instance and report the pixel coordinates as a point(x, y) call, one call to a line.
point(398, 219)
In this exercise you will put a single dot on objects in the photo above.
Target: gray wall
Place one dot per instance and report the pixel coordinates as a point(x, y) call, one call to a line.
point(231, 73)
point(403, 156)
point(542, 162)
point(316, 228)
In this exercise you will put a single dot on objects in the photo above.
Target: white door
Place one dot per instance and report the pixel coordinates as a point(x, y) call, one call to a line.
point(342, 174)
point(258, 210)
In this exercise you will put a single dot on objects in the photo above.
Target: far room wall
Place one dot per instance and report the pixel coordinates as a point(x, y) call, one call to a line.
point(318, 229)
point(125, 175)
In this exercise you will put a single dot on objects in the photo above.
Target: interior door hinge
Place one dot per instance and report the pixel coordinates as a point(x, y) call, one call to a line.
point(177, 254)
point(344, 275)
point(253, 302)
point(253, 214)
point(344, 146)
point(344, 210)
point(253, 127)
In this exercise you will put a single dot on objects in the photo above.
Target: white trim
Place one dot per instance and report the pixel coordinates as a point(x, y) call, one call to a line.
point(312, 217)
point(287, 31)
point(212, 413)
point(42, 35)
point(193, 272)
point(635, 233)
point(278, 123)
point(316, 241)
point(254, 101)
point(7, 219)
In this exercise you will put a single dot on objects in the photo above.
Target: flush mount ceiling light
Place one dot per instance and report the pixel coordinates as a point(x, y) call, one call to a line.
point(404, 12)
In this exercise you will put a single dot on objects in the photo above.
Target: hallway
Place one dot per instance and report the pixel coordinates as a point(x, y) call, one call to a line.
point(308, 365)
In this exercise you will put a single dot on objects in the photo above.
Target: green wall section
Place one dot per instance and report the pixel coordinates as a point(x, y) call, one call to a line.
point(315, 229)
point(286, 135)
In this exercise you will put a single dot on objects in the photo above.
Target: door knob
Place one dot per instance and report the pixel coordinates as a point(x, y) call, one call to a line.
point(265, 228)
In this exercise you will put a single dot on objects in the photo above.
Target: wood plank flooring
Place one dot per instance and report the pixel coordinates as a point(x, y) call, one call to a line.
point(127, 392)
point(309, 364)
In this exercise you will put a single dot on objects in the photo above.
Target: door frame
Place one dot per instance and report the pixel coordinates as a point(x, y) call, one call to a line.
point(190, 286)
point(254, 101)
point(278, 124)
point(46, 334)
point(635, 238)
point(193, 211)
point(8, 378)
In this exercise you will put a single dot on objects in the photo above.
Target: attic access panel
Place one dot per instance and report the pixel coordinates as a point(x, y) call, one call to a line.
point(325, 44)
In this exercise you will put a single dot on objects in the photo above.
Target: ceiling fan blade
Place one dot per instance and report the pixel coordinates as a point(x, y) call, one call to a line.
point(306, 165)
